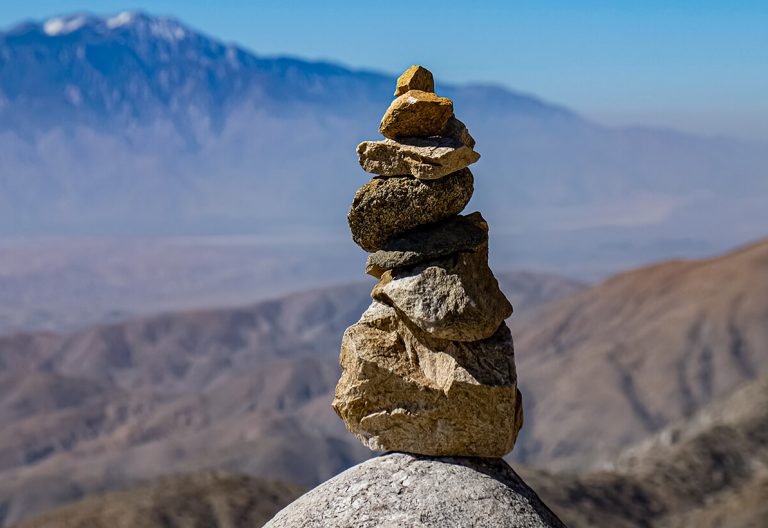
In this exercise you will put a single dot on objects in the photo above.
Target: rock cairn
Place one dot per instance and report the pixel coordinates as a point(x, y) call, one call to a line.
point(429, 368)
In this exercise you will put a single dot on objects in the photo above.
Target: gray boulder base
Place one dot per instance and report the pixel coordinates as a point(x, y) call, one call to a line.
point(404, 490)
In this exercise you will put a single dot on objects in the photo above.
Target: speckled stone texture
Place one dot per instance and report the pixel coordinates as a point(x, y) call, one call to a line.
point(389, 206)
point(403, 390)
point(399, 490)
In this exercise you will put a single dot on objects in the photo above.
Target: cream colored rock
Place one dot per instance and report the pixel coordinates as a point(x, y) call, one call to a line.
point(415, 78)
point(403, 390)
point(455, 298)
point(416, 114)
point(424, 158)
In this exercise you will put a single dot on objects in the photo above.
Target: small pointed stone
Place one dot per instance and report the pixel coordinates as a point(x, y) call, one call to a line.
point(457, 130)
point(415, 78)
point(416, 114)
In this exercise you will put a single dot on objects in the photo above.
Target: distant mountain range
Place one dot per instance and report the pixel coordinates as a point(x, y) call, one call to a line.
point(138, 125)
point(248, 389)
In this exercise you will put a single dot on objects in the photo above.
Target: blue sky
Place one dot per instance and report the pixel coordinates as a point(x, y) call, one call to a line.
point(694, 65)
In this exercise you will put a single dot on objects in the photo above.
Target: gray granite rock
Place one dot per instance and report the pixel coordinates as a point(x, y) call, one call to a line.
point(459, 233)
point(455, 298)
point(423, 158)
point(389, 206)
point(404, 390)
point(399, 490)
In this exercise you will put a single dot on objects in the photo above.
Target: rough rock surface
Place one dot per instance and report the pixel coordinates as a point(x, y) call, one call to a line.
point(416, 114)
point(457, 130)
point(455, 298)
point(386, 207)
point(415, 78)
point(424, 158)
point(460, 233)
point(402, 490)
point(403, 390)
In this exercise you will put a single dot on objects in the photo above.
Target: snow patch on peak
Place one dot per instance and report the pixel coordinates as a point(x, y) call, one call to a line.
point(61, 26)
point(120, 20)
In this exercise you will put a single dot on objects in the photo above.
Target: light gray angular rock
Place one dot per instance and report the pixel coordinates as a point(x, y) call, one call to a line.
point(403, 390)
point(388, 206)
point(423, 158)
point(459, 233)
point(399, 490)
point(455, 298)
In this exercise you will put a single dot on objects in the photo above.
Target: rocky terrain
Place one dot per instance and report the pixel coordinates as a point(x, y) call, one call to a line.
point(249, 389)
point(245, 389)
point(709, 470)
point(192, 501)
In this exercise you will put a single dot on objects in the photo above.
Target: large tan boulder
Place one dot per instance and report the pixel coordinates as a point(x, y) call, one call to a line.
point(416, 114)
point(403, 390)
point(389, 206)
point(424, 158)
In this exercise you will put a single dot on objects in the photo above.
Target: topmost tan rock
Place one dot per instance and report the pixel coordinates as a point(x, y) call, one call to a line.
point(415, 78)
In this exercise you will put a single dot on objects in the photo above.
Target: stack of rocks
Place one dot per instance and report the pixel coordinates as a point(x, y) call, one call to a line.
point(429, 368)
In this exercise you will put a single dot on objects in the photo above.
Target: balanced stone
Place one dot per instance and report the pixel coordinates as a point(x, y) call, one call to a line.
point(424, 158)
point(404, 390)
point(455, 298)
point(415, 78)
point(460, 233)
point(416, 114)
point(402, 490)
point(389, 206)
point(457, 130)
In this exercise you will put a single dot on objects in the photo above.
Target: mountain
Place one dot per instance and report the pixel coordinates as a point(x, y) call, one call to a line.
point(639, 351)
point(204, 500)
point(139, 125)
point(708, 470)
point(243, 390)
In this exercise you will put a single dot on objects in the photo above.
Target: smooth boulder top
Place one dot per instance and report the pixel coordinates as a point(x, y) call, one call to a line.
point(415, 78)
point(404, 490)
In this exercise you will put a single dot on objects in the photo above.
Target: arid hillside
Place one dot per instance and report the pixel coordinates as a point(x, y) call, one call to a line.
point(244, 390)
point(639, 351)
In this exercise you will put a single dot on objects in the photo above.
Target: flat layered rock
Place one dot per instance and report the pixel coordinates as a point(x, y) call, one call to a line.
point(415, 78)
point(403, 490)
point(416, 114)
point(456, 234)
point(386, 207)
point(403, 390)
point(423, 158)
point(455, 298)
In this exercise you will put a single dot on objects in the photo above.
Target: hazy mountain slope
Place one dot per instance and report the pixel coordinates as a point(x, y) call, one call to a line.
point(639, 351)
point(140, 125)
point(710, 470)
point(207, 500)
point(245, 390)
